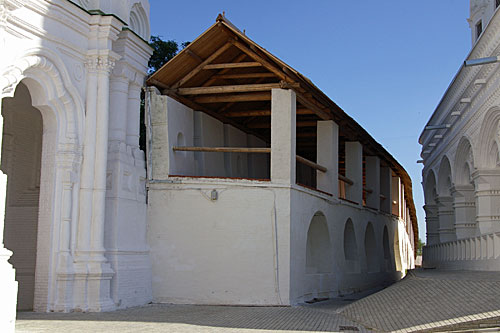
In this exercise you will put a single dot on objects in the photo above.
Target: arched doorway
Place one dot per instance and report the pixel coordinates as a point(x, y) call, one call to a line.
point(21, 162)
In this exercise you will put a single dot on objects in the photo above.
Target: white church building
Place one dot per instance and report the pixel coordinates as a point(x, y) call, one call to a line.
point(460, 151)
point(255, 189)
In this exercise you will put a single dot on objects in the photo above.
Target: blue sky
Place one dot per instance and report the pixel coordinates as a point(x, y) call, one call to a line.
point(387, 63)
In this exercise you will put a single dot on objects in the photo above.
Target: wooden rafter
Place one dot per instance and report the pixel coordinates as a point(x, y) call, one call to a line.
point(264, 63)
point(198, 68)
point(194, 56)
point(213, 78)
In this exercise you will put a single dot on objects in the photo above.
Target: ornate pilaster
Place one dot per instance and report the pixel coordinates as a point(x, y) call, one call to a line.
point(92, 270)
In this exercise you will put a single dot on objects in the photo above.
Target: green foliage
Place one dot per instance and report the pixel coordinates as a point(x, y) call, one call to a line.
point(420, 245)
point(163, 51)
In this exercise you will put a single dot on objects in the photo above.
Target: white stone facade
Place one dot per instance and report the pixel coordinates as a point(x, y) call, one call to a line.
point(230, 240)
point(79, 68)
point(461, 175)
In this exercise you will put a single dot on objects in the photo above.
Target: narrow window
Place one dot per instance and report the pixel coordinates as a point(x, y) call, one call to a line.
point(479, 28)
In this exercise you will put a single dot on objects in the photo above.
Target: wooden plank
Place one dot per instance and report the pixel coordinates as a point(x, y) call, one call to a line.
point(227, 89)
point(243, 76)
point(233, 65)
point(194, 56)
point(198, 68)
point(307, 123)
point(262, 113)
point(265, 96)
point(312, 164)
point(224, 149)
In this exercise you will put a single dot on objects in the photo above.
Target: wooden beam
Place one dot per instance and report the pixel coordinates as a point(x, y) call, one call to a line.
point(262, 113)
point(227, 89)
point(195, 106)
point(306, 135)
point(198, 68)
point(243, 76)
point(312, 164)
point(263, 96)
point(211, 80)
point(233, 65)
point(194, 56)
point(224, 149)
point(323, 114)
point(264, 62)
point(309, 123)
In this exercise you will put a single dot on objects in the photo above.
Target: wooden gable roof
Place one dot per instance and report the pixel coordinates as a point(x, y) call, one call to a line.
point(228, 76)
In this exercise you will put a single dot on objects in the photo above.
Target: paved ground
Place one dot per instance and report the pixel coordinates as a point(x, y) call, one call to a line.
point(426, 300)
point(430, 300)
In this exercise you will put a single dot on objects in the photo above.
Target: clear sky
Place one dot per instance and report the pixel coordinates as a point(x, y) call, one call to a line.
point(387, 63)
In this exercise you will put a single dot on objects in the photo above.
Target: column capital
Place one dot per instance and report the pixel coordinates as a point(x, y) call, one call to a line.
point(101, 61)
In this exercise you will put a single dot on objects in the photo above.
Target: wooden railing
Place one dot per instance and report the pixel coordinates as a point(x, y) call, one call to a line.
point(299, 159)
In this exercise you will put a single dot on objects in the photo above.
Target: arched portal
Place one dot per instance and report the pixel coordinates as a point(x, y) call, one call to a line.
point(319, 252)
point(41, 79)
point(21, 157)
point(371, 253)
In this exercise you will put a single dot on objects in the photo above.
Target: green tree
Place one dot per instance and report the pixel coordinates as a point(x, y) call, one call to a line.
point(163, 51)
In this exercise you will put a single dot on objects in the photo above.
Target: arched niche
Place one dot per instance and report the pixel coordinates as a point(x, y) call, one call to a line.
point(319, 251)
point(350, 245)
point(371, 250)
point(386, 247)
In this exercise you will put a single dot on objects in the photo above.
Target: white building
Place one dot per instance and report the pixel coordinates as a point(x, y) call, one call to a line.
point(461, 175)
point(73, 179)
point(75, 208)
point(262, 190)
